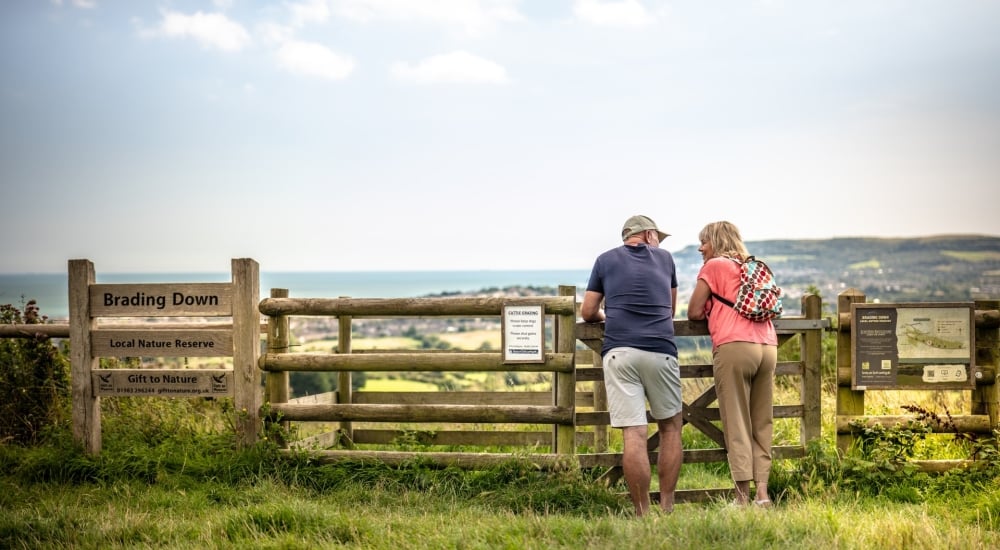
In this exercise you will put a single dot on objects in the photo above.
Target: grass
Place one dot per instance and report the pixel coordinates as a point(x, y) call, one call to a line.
point(169, 476)
point(473, 339)
point(397, 385)
point(399, 511)
point(191, 495)
point(973, 256)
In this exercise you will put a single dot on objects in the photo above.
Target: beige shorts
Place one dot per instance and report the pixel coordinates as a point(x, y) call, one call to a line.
point(633, 377)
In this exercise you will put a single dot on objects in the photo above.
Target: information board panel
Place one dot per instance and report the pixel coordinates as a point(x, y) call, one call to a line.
point(162, 343)
point(162, 382)
point(523, 333)
point(913, 346)
point(161, 300)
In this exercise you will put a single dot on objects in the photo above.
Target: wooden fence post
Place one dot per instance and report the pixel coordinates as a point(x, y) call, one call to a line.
point(986, 397)
point(277, 342)
point(601, 432)
point(86, 404)
point(565, 382)
point(812, 368)
point(849, 402)
point(345, 392)
point(247, 394)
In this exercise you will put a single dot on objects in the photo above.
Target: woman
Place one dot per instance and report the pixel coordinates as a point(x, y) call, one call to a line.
point(744, 355)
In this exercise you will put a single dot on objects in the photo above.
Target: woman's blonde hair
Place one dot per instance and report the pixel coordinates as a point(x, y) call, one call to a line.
point(725, 240)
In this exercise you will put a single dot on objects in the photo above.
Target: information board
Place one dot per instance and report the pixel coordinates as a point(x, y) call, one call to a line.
point(523, 333)
point(913, 346)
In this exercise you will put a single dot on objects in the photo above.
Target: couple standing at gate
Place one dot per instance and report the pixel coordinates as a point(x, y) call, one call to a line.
point(637, 283)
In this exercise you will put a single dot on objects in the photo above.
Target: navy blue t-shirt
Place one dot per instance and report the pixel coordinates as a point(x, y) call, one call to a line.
point(636, 283)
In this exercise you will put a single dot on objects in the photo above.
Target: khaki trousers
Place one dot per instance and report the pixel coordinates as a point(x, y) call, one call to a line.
point(744, 384)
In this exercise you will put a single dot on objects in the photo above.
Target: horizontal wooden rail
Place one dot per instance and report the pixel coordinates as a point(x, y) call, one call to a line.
point(34, 331)
point(409, 307)
point(472, 461)
point(59, 330)
point(427, 413)
point(481, 398)
point(481, 438)
point(984, 318)
point(609, 460)
point(971, 423)
point(683, 327)
point(456, 437)
point(410, 362)
point(694, 370)
point(603, 418)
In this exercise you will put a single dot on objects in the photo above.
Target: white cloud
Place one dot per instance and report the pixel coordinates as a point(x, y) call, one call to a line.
point(310, 11)
point(274, 33)
point(311, 59)
point(472, 16)
point(625, 13)
point(454, 67)
point(85, 4)
point(210, 29)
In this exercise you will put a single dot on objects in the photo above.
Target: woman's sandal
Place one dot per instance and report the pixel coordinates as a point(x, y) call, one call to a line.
point(764, 503)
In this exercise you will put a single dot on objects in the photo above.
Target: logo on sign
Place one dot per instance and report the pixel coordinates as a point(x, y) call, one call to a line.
point(105, 383)
point(219, 383)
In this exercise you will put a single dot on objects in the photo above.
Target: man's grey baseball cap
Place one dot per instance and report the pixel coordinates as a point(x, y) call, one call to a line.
point(640, 223)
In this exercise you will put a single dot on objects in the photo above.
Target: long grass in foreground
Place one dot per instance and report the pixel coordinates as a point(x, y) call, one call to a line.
point(196, 492)
point(170, 477)
point(270, 514)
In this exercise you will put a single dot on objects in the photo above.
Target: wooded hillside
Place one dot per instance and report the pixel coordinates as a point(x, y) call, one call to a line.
point(936, 268)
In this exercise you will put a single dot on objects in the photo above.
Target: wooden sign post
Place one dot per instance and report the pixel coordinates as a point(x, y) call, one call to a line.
point(89, 301)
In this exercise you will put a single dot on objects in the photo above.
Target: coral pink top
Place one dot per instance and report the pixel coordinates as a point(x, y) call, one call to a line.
point(724, 324)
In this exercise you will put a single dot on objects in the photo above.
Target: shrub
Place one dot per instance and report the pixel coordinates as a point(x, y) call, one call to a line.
point(34, 379)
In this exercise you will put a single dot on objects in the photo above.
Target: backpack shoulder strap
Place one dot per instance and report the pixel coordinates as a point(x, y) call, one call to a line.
point(723, 300)
point(719, 297)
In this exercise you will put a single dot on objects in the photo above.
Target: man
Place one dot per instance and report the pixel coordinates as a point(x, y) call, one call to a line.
point(638, 284)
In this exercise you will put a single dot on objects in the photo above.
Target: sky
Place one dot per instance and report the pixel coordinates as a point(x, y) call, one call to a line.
point(361, 135)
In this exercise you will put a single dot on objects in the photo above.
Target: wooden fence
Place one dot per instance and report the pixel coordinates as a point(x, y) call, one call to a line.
point(565, 408)
point(555, 408)
point(574, 409)
point(567, 424)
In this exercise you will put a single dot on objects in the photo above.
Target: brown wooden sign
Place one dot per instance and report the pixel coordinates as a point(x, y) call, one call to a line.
point(162, 343)
point(161, 300)
point(162, 382)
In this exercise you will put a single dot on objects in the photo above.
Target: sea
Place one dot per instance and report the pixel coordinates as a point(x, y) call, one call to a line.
point(50, 290)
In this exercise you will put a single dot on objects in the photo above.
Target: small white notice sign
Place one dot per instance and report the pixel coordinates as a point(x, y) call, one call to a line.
point(523, 333)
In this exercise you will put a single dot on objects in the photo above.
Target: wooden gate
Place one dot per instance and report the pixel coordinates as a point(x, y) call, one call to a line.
point(699, 412)
point(566, 407)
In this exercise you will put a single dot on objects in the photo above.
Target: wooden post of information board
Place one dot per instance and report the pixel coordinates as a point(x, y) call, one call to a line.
point(986, 397)
point(246, 351)
point(86, 403)
point(850, 402)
